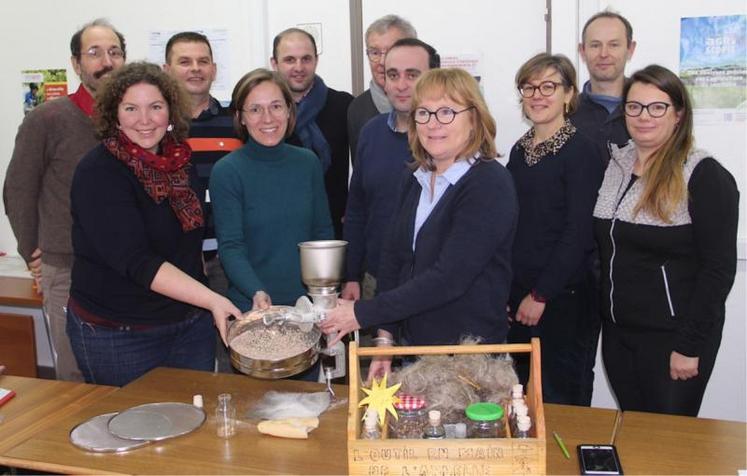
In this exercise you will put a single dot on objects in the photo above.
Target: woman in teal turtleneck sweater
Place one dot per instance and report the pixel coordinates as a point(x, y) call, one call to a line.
point(267, 197)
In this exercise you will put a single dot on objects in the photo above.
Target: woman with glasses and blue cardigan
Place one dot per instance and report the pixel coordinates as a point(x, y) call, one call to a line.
point(445, 266)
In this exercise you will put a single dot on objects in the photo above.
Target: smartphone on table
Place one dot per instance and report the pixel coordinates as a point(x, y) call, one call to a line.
point(599, 459)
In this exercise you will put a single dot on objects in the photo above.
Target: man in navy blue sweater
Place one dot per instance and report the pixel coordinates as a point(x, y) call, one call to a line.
point(606, 47)
point(382, 154)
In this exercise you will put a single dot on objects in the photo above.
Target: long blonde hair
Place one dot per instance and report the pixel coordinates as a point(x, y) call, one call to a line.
point(665, 185)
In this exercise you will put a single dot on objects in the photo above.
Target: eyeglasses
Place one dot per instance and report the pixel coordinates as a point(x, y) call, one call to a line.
point(444, 115)
point(97, 53)
point(375, 55)
point(546, 88)
point(654, 109)
point(256, 111)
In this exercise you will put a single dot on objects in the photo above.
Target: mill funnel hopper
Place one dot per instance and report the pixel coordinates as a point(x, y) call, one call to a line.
point(322, 269)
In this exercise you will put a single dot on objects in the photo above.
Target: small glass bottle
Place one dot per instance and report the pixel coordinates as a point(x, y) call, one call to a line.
point(485, 420)
point(434, 430)
point(520, 409)
point(411, 419)
point(225, 416)
point(371, 425)
point(523, 424)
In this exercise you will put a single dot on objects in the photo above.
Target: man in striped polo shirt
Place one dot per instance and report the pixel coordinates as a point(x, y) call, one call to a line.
point(189, 60)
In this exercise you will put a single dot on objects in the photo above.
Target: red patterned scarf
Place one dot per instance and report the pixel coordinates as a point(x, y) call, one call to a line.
point(163, 176)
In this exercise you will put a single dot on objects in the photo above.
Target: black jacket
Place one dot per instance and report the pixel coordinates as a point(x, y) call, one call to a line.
point(600, 126)
point(668, 276)
point(332, 121)
point(457, 280)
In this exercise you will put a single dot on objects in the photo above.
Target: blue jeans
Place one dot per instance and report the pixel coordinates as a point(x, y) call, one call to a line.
point(117, 356)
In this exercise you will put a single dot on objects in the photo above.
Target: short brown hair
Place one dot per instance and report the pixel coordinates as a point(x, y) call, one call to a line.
point(246, 85)
point(116, 86)
point(538, 64)
point(77, 38)
point(292, 31)
point(187, 37)
point(614, 16)
point(460, 87)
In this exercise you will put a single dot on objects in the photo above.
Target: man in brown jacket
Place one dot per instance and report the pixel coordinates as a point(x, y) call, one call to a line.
point(51, 140)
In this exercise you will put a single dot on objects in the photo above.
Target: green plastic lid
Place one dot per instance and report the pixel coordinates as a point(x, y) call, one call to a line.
point(484, 411)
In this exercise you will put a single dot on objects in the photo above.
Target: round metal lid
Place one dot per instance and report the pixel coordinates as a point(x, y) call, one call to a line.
point(156, 421)
point(93, 435)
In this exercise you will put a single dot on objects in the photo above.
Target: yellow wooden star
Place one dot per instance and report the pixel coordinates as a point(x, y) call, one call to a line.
point(381, 398)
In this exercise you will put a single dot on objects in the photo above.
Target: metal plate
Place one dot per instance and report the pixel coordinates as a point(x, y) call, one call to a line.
point(93, 435)
point(157, 421)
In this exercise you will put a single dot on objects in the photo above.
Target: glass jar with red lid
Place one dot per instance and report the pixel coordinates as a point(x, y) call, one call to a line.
point(411, 420)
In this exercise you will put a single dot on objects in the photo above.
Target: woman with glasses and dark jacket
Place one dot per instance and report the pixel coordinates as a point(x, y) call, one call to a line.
point(557, 173)
point(445, 266)
point(666, 224)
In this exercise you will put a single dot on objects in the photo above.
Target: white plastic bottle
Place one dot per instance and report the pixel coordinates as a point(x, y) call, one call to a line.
point(371, 425)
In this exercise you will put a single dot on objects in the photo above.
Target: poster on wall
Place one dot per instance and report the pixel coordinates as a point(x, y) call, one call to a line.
point(713, 66)
point(470, 62)
point(40, 85)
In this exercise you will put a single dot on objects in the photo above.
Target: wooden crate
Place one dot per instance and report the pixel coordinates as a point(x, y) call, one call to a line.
point(463, 457)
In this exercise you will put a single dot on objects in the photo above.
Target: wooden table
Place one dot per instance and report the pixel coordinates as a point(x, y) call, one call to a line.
point(200, 452)
point(575, 425)
point(39, 404)
point(649, 443)
point(19, 292)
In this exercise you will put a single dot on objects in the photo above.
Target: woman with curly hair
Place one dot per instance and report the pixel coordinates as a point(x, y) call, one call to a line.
point(138, 298)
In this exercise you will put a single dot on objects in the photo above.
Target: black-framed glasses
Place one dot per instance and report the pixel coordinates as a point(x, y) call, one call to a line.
point(654, 109)
point(546, 88)
point(97, 53)
point(376, 55)
point(444, 115)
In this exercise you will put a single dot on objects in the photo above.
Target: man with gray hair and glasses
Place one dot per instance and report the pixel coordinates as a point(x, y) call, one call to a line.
point(380, 36)
point(50, 142)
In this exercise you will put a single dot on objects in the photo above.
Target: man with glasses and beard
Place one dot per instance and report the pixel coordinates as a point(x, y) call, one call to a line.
point(50, 142)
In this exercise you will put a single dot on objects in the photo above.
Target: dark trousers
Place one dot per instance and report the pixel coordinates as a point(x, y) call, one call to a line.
point(637, 364)
point(568, 332)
